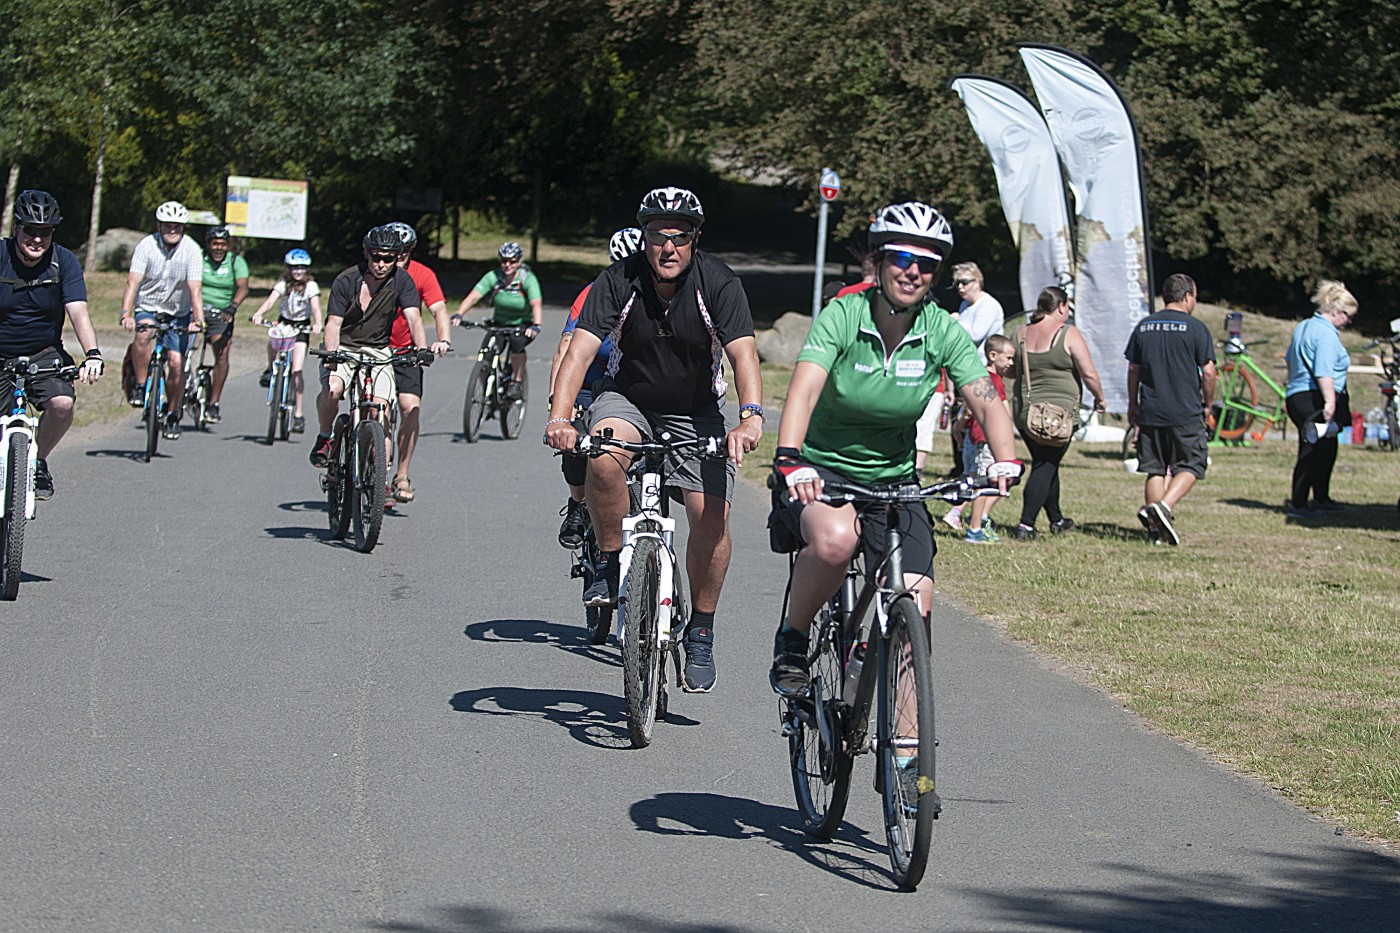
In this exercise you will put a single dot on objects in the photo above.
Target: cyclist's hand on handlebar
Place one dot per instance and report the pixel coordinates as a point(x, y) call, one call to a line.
point(423, 356)
point(560, 435)
point(743, 439)
point(195, 326)
point(441, 348)
point(457, 320)
point(802, 481)
point(90, 370)
point(1006, 473)
point(129, 322)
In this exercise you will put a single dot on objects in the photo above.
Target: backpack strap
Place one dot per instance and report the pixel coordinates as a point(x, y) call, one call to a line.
point(7, 271)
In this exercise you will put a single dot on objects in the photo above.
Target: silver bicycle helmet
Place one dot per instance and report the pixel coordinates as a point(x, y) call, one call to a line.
point(407, 235)
point(915, 224)
point(37, 207)
point(511, 250)
point(671, 204)
point(624, 243)
point(172, 212)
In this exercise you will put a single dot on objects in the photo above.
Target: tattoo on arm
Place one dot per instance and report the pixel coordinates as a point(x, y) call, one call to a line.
point(982, 388)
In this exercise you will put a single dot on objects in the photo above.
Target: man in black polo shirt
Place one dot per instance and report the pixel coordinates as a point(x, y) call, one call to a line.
point(673, 313)
point(1171, 381)
point(40, 284)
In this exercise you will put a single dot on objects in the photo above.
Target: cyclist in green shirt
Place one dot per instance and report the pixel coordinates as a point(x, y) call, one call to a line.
point(225, 287)
point(514, 295)
point(869, 366)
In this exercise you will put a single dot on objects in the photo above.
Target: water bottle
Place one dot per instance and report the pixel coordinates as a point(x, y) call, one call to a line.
point(852, 681)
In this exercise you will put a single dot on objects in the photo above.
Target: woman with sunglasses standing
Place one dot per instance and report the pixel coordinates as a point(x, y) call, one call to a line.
point(513, 292)
point(867, 371)
point(1317, 398)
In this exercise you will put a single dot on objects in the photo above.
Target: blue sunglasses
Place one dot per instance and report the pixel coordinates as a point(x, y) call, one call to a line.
point(902, 260)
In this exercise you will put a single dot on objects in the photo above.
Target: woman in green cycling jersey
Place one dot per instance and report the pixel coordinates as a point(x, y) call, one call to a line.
point(514, 294)
point(869, 366)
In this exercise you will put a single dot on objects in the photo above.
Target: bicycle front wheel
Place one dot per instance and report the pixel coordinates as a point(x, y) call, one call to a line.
point(204, 391)
point(1232, 423)
point(641, 660)
point(821, 767)
point(340, 483)
point(16, 502)
point(906, 743)
point(474, 409)
point(513, 409)
point(153, 411)
point(274, 402)
point(369, 484)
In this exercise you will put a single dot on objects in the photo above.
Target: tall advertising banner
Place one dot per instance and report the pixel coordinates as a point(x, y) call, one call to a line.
point(271, 208)
point(1028, 178)
point(1098, 145)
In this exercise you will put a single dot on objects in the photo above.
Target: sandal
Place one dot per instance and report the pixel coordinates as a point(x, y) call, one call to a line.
point(403, 489)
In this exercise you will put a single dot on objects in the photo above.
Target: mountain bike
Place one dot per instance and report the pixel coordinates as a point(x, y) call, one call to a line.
point(17, 457)
point(492, 390)
point(199, 384)
point(828, 724)
point(354, 479)
point(153, 409)
point(281, 396)
point(1390, 409)
point(1238, 397)
point(652, 594)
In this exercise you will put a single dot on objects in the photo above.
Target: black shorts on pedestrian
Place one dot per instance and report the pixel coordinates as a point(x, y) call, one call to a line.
point(409, 378)
point(45, 387)
point(1180, 447)
point(914, 522)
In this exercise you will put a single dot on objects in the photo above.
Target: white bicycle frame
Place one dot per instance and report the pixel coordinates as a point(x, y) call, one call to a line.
point(11, 426)
point(650, 512)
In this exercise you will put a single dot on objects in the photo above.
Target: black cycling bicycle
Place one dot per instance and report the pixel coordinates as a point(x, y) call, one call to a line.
point(828, 724)
point(492, 389)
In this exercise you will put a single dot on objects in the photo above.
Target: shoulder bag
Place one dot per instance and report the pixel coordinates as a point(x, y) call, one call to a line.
point(1046, 423)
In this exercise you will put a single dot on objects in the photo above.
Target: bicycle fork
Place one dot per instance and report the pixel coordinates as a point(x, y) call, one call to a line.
point(664, 534)
point(13, 426)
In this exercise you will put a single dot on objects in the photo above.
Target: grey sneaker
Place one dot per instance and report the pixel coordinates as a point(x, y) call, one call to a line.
point(602, 592)
point(172, 427)
point(789, 676)
point(1163, 513)
point(699, 660)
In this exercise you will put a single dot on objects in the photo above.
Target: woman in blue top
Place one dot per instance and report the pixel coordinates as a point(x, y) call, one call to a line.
point(1317, 397)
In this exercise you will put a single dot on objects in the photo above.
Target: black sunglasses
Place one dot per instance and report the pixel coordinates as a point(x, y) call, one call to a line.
point(927, 264)
point(657, 238)
point(383, 257)
point(33, 230)
point(963, 281)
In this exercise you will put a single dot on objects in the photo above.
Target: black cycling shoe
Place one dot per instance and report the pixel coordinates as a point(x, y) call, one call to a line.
point(788, 676)
point(321, 451)
point(265, 380)
point(572, 529)
point(171, 432)
point(602, 592)
point(43, 481)
point(699, 660)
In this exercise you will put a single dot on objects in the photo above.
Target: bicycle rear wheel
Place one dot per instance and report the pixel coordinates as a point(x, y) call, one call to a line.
point(1231, 423)
point(641, 661)
point(16, 510)
point(1392, 426)
point(274, 402)
point(821, 767)
point(513, 410)
point(153, 412)
point(474, 409)
point(203, 392)
point(906, 743)
point(599, 619)
point(340, 482)
point(369, 484)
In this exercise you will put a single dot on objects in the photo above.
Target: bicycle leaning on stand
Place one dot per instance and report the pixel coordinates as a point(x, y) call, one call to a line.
point(492, 389)
point(652, 599)
point(828, 724)
point(17, 499)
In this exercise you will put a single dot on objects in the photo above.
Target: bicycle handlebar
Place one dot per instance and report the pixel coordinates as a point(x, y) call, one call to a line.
point(592, 445)
point(418, 356)
point(492, 327)
point(12, 367)
point(956, 490)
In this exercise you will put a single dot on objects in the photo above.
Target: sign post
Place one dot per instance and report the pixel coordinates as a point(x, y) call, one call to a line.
point(830, 187)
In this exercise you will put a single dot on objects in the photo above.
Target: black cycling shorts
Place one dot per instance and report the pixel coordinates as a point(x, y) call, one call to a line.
point(409, 378)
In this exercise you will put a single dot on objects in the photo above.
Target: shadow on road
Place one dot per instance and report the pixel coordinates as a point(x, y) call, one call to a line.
point(571, 638)
point(850, 855)
point(468, 919)
point(597, 719)
point(1342, 889)
point(137, 456)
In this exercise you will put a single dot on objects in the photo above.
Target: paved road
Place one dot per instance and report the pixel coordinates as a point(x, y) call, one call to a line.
point(213, 719)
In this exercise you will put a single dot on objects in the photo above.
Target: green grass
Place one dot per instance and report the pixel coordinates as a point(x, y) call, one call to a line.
point(1274, 647)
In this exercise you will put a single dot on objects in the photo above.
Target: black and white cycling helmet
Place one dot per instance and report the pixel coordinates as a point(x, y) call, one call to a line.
point(624, 243)
point(37, 207)
point(217, 233)
point(172, 212)
point(382, 239)
point(511, 250)
point(914, 224)
point(297, 257)
point(671, 204)
point(407, 235)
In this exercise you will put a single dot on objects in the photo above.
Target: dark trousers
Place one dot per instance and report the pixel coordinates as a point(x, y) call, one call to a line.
point(1042, 487)
point(1312, 473)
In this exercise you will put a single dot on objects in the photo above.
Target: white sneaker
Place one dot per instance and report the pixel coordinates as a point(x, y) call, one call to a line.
point(953, 518)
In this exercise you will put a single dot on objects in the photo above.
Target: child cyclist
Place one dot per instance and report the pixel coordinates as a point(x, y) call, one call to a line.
point(300, 303)
point(1001, 354)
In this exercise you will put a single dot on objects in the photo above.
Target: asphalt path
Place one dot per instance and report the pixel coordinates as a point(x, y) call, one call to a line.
point(213, 718)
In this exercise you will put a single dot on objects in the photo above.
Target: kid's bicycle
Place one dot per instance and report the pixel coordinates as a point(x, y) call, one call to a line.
point(492, 389)
point(828, 724)
point(17, 499)
point(652, 599)
point(281, 393)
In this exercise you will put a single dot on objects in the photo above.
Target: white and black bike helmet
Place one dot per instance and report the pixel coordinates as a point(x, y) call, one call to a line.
point(511, 250)
point(382, 239)
point(407, 235)
point(37, 207)
point(671, 204)
point(624, 243)
point(915, 224)
point(172, 212)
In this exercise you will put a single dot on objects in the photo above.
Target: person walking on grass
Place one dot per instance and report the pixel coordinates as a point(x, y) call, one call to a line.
point(1001, 356)
point(1171, 382)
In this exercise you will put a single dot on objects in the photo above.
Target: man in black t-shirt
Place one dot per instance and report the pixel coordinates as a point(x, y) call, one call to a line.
point(360, 316)
point(674, 314)
point(1171, 382)
point(41, 283)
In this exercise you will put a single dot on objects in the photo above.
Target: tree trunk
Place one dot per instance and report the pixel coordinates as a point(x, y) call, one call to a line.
point(12, 185)
point(95, 224)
